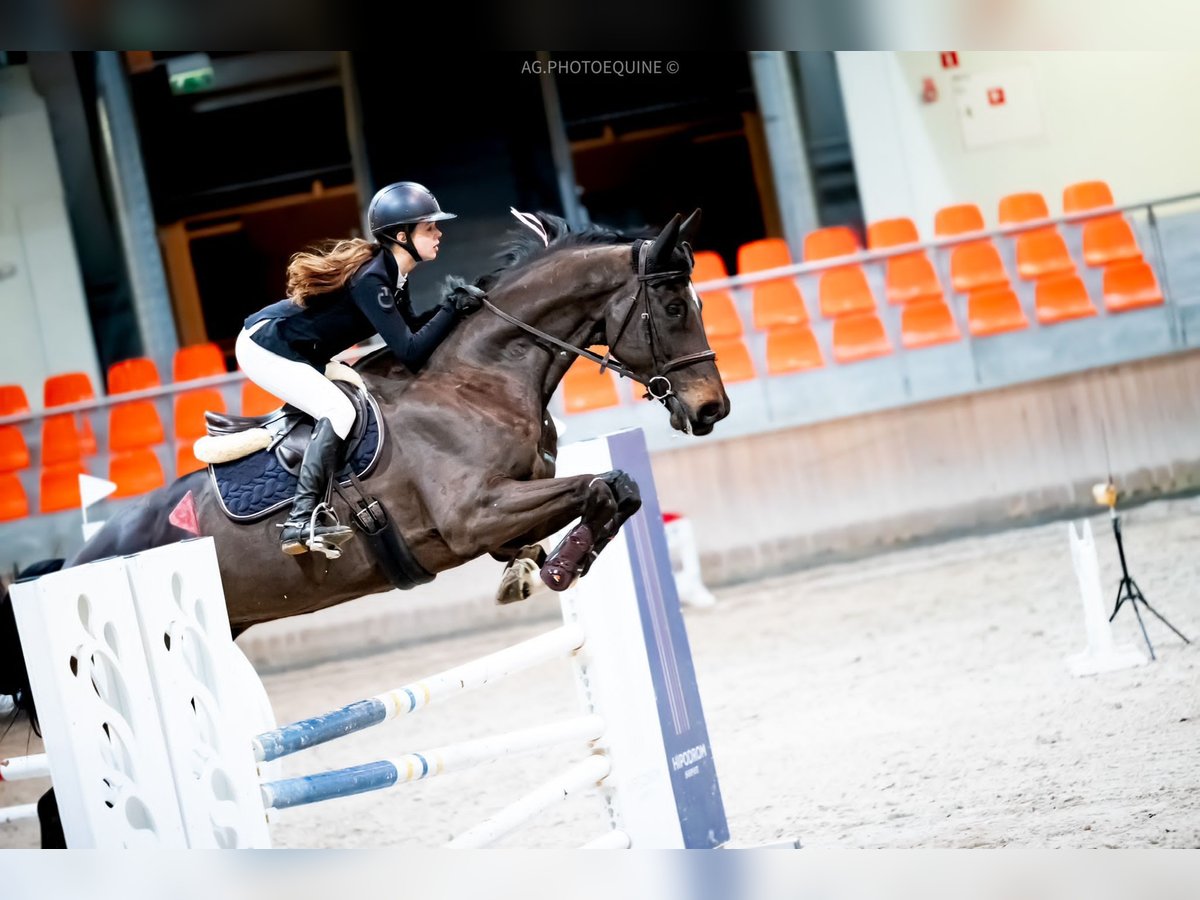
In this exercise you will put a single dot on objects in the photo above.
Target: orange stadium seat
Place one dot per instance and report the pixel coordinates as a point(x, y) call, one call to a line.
point(13, 502)
point(891, 233)
point(185, 460)
point(586, 388)
point(911, 277)
point(763, 254)
point(189, 363)
point(733, 360)
point(1130, 285)
point(994, 310)
point(778, 304)
point(960, 219)
point(1042, 253)
point(1026, 207)
point(1062, 297)
point(197, 361)
point(720, 311)
point(859, 337)
point(189, 412)
point(12, 400)
point(828, 243)
point(774, 303)
point(135, 374)
point(924, 323)
point(720, 316)
point(1109, 240)
point(256, 401)
point(844, 290)
point(135, 472)
point(14, 454)
point(792, 349)
point(61, 442)
point(72, 387)
point(976, 265)
point(135, 424)
point(1085, 195)
point(58, 487)
point(708, 266)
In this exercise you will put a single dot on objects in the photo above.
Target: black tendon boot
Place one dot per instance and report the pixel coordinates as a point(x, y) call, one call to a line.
point(303, 530)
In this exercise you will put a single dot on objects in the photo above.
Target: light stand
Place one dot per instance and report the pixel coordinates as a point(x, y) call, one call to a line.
point(1127, 590)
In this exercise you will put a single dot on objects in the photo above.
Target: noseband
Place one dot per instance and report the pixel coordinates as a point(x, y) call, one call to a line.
point(658, 386)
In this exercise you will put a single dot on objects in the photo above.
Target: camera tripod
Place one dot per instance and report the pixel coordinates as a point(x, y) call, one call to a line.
point(1128, 591)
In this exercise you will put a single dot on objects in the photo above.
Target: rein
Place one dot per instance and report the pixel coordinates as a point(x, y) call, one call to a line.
point(641, 255)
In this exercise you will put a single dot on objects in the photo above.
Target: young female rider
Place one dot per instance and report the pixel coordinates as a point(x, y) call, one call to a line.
point(337, 298)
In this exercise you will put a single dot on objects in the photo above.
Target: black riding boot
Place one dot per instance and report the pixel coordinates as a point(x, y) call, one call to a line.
point(317, 467)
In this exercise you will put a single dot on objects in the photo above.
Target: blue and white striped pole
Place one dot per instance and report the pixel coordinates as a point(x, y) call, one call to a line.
point(385, 773)
point(288, 739)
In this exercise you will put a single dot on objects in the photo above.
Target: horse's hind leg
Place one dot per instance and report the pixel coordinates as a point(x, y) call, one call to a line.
point(52, 829)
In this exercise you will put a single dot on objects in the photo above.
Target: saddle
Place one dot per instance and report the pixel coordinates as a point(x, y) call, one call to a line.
point(254, 461)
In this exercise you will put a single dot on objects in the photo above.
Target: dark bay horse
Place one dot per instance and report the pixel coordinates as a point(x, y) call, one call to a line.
point(468, 467)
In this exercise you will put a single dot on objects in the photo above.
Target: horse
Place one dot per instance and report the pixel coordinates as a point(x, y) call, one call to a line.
point(467, 467)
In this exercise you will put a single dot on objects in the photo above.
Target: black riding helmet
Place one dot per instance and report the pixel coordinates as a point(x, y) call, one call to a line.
point(397, 207)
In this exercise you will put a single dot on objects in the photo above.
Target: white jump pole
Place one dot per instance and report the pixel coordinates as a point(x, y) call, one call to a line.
point(610, 840)
point(580, 777)
point(21, 813)
point(23, 768)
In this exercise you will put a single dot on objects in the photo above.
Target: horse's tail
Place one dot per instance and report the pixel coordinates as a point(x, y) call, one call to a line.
point(14, 678)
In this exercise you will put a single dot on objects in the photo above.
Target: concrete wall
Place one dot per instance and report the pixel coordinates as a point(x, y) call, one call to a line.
point(1122, 117)
point(996, 459)
point(43, 308)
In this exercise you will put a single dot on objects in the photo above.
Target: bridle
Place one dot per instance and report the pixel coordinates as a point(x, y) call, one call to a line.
point(658, 386)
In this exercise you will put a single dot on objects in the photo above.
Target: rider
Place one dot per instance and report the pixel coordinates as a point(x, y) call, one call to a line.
point(337, 297)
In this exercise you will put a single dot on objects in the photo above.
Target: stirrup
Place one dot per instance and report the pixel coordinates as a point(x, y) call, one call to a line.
point(329, 543)
point(310, 535)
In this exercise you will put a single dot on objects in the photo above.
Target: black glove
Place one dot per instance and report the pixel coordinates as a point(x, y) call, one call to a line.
point(463, 298)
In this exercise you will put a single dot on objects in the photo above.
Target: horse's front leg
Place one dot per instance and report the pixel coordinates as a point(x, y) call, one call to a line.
point(506, 511)
point(577, 551)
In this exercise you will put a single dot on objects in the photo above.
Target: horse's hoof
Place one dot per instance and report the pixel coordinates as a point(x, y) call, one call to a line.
point(518, 582)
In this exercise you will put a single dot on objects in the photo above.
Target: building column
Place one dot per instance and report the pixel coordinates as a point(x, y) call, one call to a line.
point(779, 105)
point(135, 213)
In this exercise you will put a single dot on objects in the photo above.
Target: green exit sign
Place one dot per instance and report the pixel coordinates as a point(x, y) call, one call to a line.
point(189, 74)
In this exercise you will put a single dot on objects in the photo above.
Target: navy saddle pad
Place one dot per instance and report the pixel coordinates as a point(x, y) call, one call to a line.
point(255, 486)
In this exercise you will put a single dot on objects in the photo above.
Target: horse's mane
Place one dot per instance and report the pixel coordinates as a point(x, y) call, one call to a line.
point(523, 246)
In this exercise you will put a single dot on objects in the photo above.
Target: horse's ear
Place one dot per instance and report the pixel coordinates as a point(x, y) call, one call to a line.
point(664, 244)
point(690, 227)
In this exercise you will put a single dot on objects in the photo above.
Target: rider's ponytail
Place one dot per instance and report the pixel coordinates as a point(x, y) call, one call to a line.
point(325, 268)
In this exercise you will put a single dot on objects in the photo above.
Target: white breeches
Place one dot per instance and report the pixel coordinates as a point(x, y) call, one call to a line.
point(294, 382)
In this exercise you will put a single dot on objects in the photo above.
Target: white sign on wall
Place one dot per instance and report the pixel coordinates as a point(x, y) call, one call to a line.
point(997, 107)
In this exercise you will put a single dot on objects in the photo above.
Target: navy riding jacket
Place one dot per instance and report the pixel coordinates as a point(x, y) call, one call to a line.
point(368, 304)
